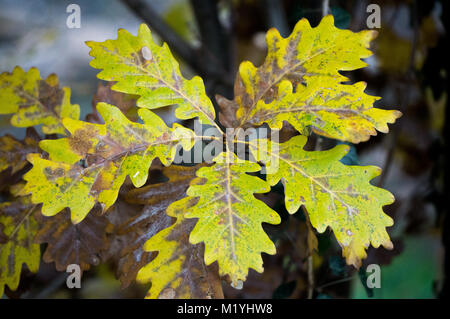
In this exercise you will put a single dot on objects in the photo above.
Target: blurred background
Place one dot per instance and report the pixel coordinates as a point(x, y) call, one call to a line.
point(211, 38)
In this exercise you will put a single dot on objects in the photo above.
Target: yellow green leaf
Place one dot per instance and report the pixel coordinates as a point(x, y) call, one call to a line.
point(141, 67)
point(334, 195)
point(230, 216)
point(35, 101)
point(330, 109)
point(92, 163)
point(307, 55)
point(17, 245)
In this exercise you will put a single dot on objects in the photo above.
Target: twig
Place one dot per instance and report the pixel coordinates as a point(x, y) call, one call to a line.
point(196, 60)
point(310, 251)
point(215, 49)
point(310, 277)
point(212, 33)
point(146, 13)
point(335, 282)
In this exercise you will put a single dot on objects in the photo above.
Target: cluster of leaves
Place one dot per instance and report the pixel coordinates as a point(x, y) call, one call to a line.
point(203, 213)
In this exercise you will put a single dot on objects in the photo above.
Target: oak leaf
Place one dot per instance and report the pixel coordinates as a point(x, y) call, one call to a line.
point(330, 109)
point(67, 243)
point(179, 270)
point(35, 101)
point(93, 162)
point(230, 217)
point(308, 63)
point(334, 195)
point(141, 67)
point(13, 152)
point(174, 266)
point(17, 247)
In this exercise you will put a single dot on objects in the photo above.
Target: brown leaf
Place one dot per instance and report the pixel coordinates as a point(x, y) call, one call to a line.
point(152, 219)
point(79, 244)
point(228, 108)
point(136, 232)
point(189, 277)
point(13, 152)
point(179, 271)
point(125, 102)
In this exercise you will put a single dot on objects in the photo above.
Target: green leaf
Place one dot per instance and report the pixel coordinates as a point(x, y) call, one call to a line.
point(299, 82)
point(35, 101)
point(331, 109)
point(230, 216)
point(141, 67)
point(93, 162)
point(334, 195)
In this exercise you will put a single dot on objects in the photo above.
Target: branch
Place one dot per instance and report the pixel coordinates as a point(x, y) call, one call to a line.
point(200, 61)
point(213, 35)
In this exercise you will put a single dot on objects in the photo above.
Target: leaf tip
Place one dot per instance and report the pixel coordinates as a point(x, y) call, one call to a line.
point(388, 245)
point(397, 114)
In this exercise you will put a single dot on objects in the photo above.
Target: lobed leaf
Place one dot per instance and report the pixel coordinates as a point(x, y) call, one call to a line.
point(334, 194)
point(179, 270)
point(35, 101)
point(230, 216)
point(125, 102)
point(331, 109)
point(174, 266)
point(141, 67)
point(13, 153)
point(67, 243)
point(137, 230)
point(93, 162)
point(308, 63)
point(18, 227)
